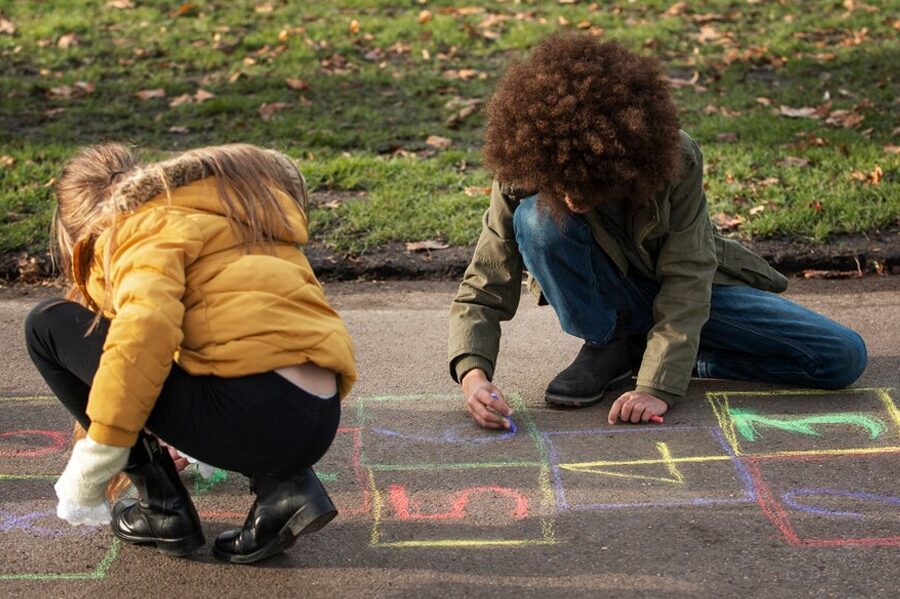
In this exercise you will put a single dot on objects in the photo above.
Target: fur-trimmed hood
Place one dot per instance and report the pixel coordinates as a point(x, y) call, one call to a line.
point(183, 181)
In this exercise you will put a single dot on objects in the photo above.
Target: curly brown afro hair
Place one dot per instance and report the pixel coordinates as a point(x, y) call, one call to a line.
point(585, 119)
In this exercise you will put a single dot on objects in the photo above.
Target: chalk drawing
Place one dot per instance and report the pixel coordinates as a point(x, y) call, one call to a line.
point(747, 421)
point(401, 503)
point(791, 499)
point(406, 511)
point(59, 441)
point(735, 424)
point(98, 573)
point(25, 522)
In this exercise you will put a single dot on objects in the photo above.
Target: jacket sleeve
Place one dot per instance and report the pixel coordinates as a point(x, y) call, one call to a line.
point(489, 292)
point(147, 280)
point(685, 269)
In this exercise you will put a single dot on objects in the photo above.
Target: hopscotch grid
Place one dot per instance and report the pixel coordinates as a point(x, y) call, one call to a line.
point(546, 489)
point(720, 404)
point(772, 507)
point(667, 460)
point(98, 573)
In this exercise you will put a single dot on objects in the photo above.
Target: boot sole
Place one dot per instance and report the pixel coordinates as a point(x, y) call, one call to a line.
point(623, 380)
point(175, 547)
point(308, 519)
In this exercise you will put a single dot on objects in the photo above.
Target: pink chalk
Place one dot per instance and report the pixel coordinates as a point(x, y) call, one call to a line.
point(656, 419)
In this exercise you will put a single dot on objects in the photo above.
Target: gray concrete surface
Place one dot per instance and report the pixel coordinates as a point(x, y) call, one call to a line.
point(432, 506)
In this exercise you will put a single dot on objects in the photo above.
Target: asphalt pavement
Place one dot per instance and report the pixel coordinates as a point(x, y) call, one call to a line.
point(746, 490)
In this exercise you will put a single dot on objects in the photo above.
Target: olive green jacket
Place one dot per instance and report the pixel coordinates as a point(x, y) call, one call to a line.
point(672, 241)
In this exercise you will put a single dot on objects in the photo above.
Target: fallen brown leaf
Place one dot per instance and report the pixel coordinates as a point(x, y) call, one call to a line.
point(792, 161)
point(268, 109)
point(263, 9)
point(67, 41)
point(7, 161)
point(474, 192)
point(178, 129)
point(727, 222)
point(7, 27)
point(120, 4)
point(892, 149)
point(872, 178)
point(429, 244)
point(185, 10)
point(424, 17)
point(727, 136)
point(182, 99)
point(676, 9)
point(807, 112)
point(298, 84)
point(146, 94)
point(202, 96)
point(436, 141)
point(354, 26)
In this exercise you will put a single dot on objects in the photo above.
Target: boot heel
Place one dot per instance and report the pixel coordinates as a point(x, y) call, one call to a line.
point(182, 547)
point(312, 516)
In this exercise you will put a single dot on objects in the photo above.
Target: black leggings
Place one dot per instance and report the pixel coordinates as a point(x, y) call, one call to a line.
point(256, 424)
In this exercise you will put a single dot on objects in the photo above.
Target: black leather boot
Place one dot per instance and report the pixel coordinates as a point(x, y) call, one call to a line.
point(164, 514)
point(596, 369)
point(284, 509)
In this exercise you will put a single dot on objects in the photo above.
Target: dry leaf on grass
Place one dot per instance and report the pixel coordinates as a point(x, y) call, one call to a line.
point(792, 161)
point(120, 4)
point(178, 129)
point(436, 141)
point(7, 27)
point(473, 192)
point(429, 244)
point(7, 161)
point(268, 109)
point(147, 94)
point(67, 41)
point(727, 222)
point(202, 96)
point(298, 84)
point(807, 112)
point(424, 17)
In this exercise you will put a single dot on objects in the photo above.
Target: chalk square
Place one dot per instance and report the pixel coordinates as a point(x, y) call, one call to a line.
point(43, 547)
point(843, 499)
point(462, 508)
point(807, 421)
point(434, 430)
point(35, 435)
point(648, 466)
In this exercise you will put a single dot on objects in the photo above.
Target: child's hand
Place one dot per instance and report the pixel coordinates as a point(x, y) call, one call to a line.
point(636, 406)
point(485, 402)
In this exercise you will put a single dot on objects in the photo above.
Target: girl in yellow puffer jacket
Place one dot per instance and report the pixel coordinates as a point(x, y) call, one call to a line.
point(193, 316)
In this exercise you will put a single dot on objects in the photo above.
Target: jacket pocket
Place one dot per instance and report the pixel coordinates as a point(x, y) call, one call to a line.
point(740, 263)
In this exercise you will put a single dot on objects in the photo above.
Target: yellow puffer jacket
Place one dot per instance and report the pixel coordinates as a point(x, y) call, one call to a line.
point(181, 288)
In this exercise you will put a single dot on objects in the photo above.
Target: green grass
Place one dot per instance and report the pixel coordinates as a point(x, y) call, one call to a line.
point(375, 95)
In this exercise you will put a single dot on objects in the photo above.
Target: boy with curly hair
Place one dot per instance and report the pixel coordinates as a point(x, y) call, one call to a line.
point(599, 195)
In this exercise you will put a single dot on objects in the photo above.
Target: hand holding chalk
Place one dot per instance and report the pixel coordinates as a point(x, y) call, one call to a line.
point(656, 419)
point(507, 421)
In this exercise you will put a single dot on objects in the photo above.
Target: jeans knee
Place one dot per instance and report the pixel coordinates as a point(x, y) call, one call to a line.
point(848, 364)
point(537, 230)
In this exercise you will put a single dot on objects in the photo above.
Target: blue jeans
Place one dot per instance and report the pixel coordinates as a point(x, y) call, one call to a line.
point(751, 335)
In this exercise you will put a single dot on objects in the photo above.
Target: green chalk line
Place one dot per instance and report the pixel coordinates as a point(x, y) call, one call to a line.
point(99, 573)
point(746, 422)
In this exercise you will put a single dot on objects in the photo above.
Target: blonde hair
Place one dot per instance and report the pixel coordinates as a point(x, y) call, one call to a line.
point(104, 181)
